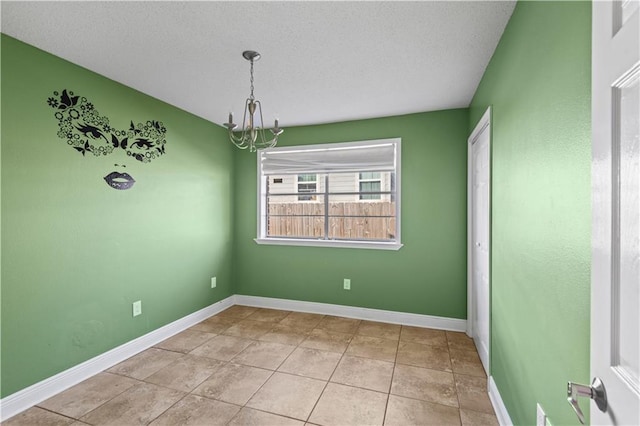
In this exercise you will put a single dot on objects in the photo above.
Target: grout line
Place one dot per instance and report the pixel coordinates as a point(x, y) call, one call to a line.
point(57, 413)
point(342, 354)
point(393, 372)
point(427, 401)
point(170, 407)
point(455, 382)
point(326, 383)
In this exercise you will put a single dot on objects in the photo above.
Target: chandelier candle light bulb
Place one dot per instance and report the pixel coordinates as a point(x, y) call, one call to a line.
point(252, 136)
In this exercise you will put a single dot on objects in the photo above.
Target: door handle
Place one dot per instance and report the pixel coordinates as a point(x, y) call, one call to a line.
point(596, 392)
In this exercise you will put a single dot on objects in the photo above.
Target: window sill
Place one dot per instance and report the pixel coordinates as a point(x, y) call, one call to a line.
point(376, 245)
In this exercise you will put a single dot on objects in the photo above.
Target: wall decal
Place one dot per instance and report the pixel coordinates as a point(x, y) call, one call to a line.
point(118, 180)
point(88, 132)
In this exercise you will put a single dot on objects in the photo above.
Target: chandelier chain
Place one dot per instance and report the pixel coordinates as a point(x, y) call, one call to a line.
point(251, 97)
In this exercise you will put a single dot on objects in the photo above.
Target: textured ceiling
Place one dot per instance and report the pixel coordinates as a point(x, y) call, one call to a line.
point(321, 61)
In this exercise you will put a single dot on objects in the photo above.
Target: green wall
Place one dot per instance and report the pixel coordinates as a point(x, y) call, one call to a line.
point(426, 276)
point(77, 253)
point(538, 84)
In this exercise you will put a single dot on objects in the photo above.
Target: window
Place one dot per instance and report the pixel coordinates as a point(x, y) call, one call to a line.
point(370, 186)
point(307, 183)
point(338, 195)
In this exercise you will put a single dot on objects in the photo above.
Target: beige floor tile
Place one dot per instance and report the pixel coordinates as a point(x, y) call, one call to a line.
point(226, 362)
point(185, 341)
point(88, 395)
point(339, 324)
point(145, 363)
point(185, 373)
point(379, 329)
point(312, 363)
point(268, 315)
point(345, 405)
point(407, 412)
point(373, 347)
point(467, 363)
point(472, 393)
point(251, 417)
point(427, 356)
point(459, 340)
point(285, 335)
point(327, 340)
point(267, 355)
point(138, 405)
point(36, 416)
point(364, 373)
point(237, 311)
point(222, 348)
point(249, 329)
point(196, 410)
point(474, 418)
point(233, 383)
point(215, 324)
point(302, 320)
point(287, 395)
point(425, 384)
point(424, 336)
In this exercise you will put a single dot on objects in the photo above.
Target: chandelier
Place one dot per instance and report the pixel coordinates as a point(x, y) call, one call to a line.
point(252, 134)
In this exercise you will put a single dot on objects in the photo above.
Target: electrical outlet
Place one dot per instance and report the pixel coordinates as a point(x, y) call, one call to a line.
point(213, 282)
point(347, 284)
point(137, 308)
point(541, 417)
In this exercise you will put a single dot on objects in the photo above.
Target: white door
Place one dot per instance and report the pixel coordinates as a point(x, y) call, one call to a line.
point(615, 279)
point(479, 240)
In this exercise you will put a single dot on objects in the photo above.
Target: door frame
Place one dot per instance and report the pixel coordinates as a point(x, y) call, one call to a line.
point(484, 124)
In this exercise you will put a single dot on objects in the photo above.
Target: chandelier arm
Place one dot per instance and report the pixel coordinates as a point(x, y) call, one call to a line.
point(263, 142)
point(240, 142)
point(240, 139)
point(244, 116)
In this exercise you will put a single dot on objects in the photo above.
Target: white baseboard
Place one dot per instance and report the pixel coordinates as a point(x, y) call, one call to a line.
point(38, 392)
point(393, 317)
point(498, 405)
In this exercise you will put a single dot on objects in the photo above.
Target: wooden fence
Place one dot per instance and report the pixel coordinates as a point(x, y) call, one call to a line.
point(351, 220)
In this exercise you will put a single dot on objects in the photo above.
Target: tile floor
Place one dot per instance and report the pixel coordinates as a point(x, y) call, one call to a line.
point(252, 366)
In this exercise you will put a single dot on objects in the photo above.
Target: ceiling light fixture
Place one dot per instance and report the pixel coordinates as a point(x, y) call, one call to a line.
point(252, 134)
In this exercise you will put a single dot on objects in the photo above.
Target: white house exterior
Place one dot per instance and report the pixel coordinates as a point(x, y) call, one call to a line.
point(350, 187)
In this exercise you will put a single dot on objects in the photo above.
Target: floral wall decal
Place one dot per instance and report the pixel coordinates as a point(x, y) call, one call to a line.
point(88, 132)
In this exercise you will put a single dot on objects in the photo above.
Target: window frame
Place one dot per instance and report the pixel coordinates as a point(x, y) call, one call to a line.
point(262, 205)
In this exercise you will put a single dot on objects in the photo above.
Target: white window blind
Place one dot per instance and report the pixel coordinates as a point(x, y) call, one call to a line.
point(357, 157)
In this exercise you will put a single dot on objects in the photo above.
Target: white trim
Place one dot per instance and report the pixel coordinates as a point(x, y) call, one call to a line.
point(328, 243)
point(469, 238)
point(484, 121)
point(393, 317)
point(484, 124)
point(498, 405)
point(38, 392)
